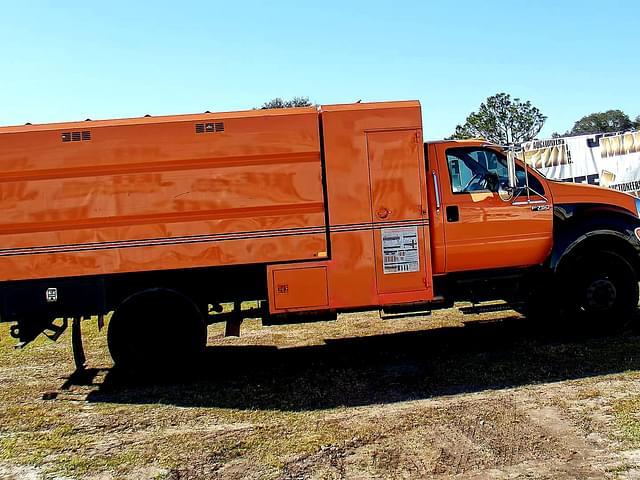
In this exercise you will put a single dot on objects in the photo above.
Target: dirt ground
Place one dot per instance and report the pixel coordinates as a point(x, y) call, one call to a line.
point(486, 396)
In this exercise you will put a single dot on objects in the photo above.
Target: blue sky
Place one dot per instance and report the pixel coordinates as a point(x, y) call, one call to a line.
point(72, 60)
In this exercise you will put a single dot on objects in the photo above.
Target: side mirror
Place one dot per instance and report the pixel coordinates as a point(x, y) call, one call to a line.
point(505, 193)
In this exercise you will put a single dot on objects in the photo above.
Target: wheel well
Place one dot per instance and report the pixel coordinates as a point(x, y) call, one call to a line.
point(605, 241)
point(202, 286)
point(160, 291)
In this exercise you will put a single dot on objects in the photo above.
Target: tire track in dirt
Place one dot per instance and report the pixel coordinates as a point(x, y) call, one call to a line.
point(492, 436)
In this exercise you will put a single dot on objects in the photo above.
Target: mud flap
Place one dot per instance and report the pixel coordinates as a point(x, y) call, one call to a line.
point(79, 357)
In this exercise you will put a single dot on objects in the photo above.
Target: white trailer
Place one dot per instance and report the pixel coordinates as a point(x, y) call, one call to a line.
point(608, 159)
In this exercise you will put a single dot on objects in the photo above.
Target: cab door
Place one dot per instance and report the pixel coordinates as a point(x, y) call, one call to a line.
point(400, 226)
point(481, 230)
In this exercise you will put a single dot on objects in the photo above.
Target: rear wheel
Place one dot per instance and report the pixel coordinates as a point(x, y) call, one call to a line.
point(157, 328)
point(602, 289)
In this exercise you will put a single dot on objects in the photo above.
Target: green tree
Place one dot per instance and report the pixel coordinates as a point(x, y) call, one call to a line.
point(293, 102)
point(602, 122)
point(502, 120)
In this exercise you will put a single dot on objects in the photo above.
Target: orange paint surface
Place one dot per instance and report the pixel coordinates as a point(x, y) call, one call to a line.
point(579, 193)
point(375, 175)
point(160, 193)
point(490, 233)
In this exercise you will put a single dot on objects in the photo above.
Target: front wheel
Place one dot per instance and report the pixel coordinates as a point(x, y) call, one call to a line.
point(602, 288)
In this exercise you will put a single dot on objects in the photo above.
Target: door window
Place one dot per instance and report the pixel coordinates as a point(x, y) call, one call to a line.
point(473, 170)
point(478, 169)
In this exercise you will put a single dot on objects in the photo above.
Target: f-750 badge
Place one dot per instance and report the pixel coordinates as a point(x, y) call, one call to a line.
point(540, 208)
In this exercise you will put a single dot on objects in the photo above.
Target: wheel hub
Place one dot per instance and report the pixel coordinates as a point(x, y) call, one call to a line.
point(601, 294)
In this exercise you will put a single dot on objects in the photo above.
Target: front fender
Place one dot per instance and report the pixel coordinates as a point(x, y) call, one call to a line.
point(580, 226)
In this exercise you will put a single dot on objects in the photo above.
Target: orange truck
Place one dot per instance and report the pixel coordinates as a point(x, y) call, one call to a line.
point(306, 212)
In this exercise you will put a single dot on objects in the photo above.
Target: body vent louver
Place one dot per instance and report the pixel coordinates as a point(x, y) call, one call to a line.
point(209, 127)
point(76, 136)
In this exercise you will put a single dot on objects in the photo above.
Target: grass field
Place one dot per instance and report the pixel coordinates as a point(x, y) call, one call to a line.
point(486, 396)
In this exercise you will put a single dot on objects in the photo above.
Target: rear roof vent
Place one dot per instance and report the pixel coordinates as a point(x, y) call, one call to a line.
point(210, 127)
point(76, 136)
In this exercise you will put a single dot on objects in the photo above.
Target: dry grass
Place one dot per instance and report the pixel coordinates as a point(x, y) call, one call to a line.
point(627, 413)
point(359, 396)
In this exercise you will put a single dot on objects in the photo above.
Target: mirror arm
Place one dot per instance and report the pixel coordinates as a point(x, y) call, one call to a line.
point(511, 169)
point(512, 192)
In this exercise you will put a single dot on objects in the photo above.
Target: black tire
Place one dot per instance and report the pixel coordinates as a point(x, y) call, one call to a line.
point(156, 329)
point(602, 288)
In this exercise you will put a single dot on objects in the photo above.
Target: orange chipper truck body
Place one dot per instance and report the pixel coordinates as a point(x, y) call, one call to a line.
point(149, 194)
point(307, 210)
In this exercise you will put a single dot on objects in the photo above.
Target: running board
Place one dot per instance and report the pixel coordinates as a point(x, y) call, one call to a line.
point(392, 316)
point(404, 310)
point(474, 309)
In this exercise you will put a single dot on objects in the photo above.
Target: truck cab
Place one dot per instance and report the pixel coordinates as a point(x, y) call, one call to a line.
point(555, 243)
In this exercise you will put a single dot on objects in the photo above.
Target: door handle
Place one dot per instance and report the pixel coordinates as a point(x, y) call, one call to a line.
point(436, 189)
point(453, 214)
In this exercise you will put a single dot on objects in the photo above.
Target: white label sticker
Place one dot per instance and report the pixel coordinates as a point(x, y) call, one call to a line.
point(52, 294)
point(400, 250)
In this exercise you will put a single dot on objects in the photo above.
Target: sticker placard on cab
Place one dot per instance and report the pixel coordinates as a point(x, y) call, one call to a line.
point(400, 250)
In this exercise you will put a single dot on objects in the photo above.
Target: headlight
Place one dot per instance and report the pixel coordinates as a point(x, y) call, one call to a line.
point(638, 207)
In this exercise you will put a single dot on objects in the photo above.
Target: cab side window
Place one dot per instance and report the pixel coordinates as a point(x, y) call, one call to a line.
point(474, 169)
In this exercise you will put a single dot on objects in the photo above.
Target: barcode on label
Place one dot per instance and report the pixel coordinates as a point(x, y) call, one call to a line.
point(405, 267)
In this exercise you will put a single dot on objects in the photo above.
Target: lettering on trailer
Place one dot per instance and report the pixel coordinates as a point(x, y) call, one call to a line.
point(552, 142)
point(593, 179)
point(607, 159)
point(545, 154)
point(400, 250)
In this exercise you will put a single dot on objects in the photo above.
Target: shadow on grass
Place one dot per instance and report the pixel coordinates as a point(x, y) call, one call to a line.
point(379, 369)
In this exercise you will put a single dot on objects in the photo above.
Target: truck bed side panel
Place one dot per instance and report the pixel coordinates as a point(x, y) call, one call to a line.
point(160, 193)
